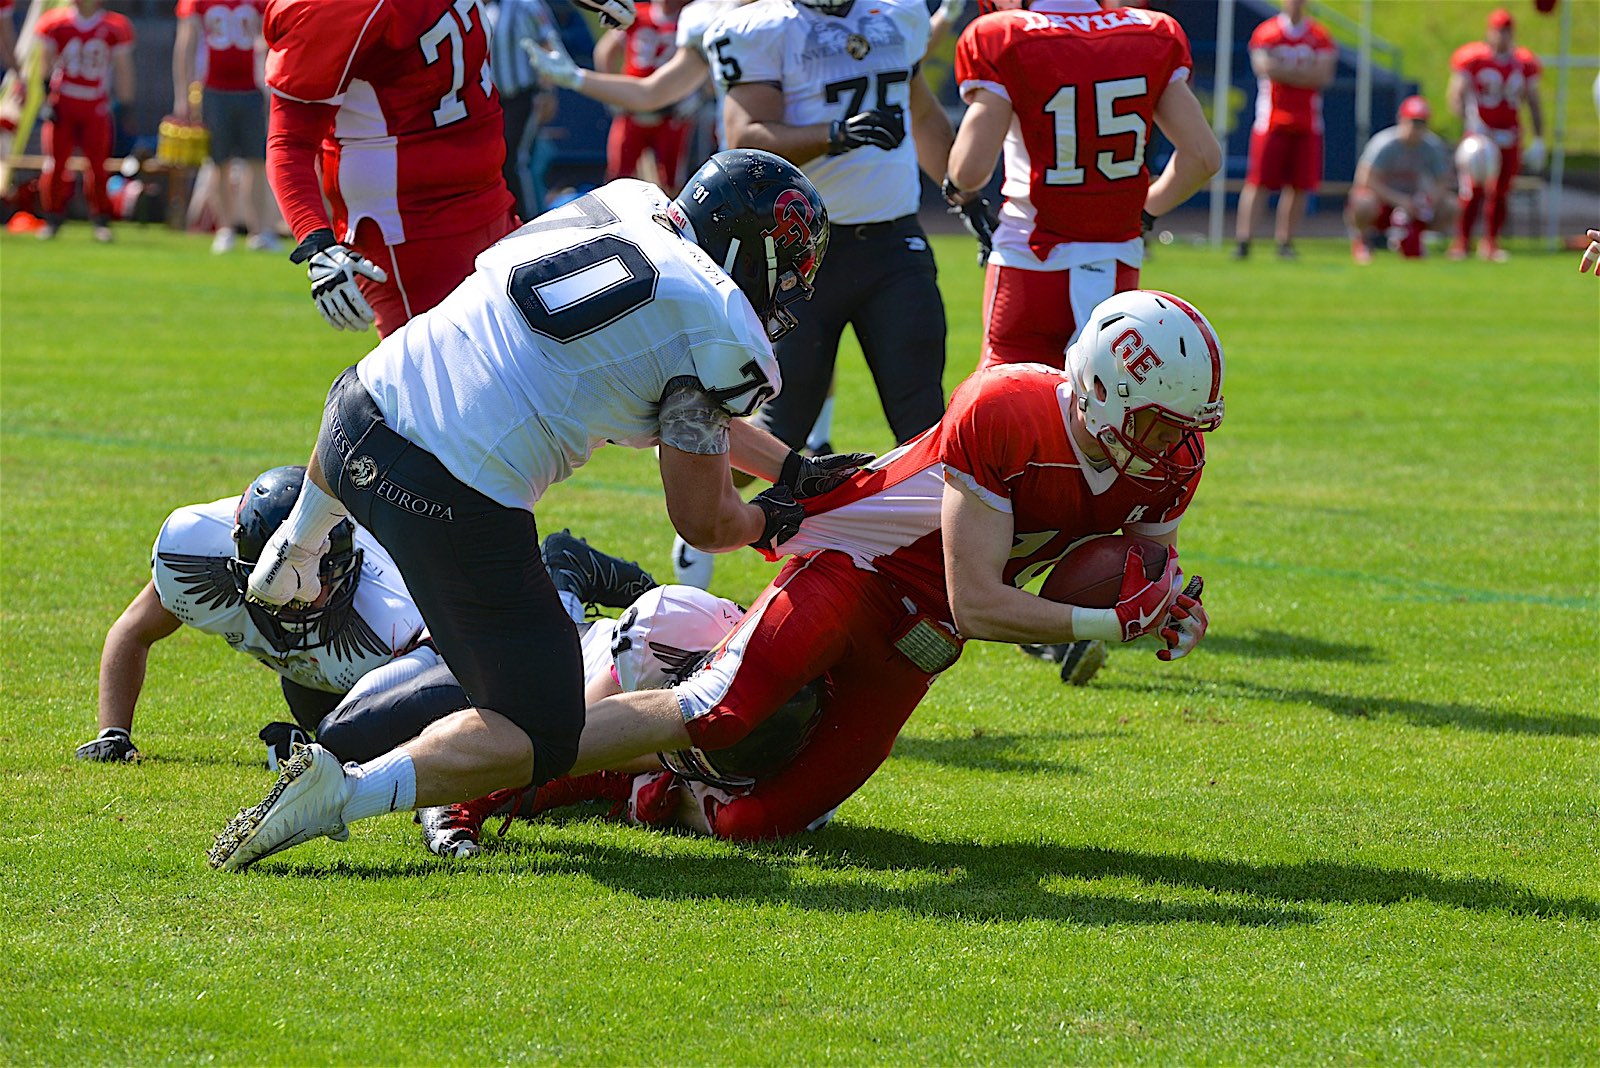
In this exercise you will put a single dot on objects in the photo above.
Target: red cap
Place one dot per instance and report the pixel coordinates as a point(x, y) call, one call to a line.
point(1414, 107)
point(1499, 19)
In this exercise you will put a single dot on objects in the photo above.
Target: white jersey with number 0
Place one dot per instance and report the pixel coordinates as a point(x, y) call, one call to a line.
point(562, 340)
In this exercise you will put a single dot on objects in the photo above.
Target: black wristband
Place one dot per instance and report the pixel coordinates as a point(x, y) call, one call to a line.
point(790, 472)
point(314, 242)
point(1146, 220)
point(835, 138)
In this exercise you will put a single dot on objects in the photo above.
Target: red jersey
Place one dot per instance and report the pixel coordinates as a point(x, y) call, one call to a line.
point(1083, 85)
point(650, 41)
point(418, 139)
point(1290, 107)
point(84, 47)
point(229, 30)
point(1005, 437)
point(1496, 87)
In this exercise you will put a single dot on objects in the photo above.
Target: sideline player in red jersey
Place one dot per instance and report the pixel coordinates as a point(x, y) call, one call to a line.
point(393, 97)
point(87, 53)
point(1070, 91)
point(227, 35)
point(1489, 80)
point(1294, 60)
point(637, 52)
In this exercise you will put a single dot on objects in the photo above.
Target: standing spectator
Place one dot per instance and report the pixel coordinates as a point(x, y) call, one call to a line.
point(87, 52)
point(8, 36)
point(233, 108)
point(637, 52)
point(1402, 181)
point(1069, 233)
point(1294, 60)
point(528, 103)
point(394, 99)
point(1489, 80)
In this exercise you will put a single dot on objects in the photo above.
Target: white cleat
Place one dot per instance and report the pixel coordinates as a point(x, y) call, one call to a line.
point(286, 574)
point(690, 566)
point(307, 802)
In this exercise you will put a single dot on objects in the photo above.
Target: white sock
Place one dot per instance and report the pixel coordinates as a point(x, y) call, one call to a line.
point(386, 784)
point(822, 429)
point(573, 605)
point(314, 514)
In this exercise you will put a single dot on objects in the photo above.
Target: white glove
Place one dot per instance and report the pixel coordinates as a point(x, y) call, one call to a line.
point(1186, 622)
point(554, 66)
point(617, 14)
point(332, 268)
point(1533, 155)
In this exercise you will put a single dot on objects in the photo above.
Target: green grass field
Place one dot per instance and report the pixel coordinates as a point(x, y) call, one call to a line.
point(1359, 825)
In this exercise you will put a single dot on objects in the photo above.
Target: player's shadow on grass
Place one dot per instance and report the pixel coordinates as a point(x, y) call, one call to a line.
point(1281, 645)
point(1000, 751)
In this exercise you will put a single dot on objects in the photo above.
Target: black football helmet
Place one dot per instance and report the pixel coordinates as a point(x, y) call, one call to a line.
point(763, 221)
point(266, 503)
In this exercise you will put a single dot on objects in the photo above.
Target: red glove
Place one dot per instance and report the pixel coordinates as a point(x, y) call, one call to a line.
point(1142, 605)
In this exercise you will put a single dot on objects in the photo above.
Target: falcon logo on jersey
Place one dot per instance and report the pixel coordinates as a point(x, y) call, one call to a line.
point(857, 46)
point(1140, 359)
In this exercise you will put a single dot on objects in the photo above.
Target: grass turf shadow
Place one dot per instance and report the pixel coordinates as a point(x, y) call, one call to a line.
point(1281, 645)
point(997, 751)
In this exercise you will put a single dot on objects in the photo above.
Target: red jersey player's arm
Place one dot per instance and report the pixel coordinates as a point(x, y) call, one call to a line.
point(294, 141)
point(122, 77)
point(608, 51)
point(127, 653)
point(1456, 93)
point(977, 545)
point(663, 87)
point(1196, 155)
point(1535, 109)
point(752, 117)
point(183, 50)
point(977, 144)
point(8, 45)
point(930, 129)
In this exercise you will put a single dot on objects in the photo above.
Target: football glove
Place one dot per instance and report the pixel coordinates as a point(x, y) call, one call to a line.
point(975, 215)
point(618, 14)
point(807, 476)
point(555, 66)
point(784, 516)
point(1186, 622)
point(1591, 255)
point(1533, 156)
point(332, 268)
point(878, 128)
point(1142, 605)
point(111, 745)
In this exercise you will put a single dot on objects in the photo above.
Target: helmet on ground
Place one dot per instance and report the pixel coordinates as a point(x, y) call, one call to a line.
point(1478, 159)
point(1145, 351)
point(266, 503)
point(764, 223)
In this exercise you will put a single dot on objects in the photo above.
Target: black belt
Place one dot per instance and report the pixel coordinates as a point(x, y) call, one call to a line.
point(862, 231)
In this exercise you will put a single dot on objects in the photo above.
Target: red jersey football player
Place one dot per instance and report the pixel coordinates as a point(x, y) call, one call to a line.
point(642, 48)
point(1294, 60)
point(1070, 92)
point(929, 547)
point(87, 53)
point(1489, 81)
point(394, 99)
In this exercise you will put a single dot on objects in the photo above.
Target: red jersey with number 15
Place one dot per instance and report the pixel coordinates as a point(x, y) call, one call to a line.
point(1083, 86)
point(84, 47)
point(418, 140)
point(229, 30)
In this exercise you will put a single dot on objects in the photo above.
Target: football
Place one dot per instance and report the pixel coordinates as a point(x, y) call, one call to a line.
point(1090, 576)
point(1478, 158)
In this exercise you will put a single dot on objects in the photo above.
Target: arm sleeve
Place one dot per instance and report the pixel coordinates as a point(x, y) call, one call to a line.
point(980, 450)
point(294, 140)
point(976, 51)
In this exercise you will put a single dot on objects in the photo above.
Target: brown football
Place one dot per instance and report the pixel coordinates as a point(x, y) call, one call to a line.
point(1091, 574)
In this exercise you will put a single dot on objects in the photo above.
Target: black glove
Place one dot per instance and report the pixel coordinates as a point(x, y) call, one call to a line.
point(807, 476)
point(112, 744)
point(783, 514)
point(876, 129)
point(1146, 220)
point(975, 215)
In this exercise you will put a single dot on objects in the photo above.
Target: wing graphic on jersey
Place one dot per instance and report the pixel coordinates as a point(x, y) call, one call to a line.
point(679, 663)
point(350, 638)
point(205, 578)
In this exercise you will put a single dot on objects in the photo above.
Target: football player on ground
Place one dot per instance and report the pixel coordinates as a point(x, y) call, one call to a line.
point(622, 317)
point(637, 52)
point(1489, 82)
point(363, 620)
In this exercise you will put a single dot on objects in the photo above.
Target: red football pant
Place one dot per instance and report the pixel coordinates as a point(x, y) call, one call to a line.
point(421, 272)
point(83, 125)
point(667, 140)
point(1032, 316)
point(821, 615)
point(1281, 158)
point(1498, 194)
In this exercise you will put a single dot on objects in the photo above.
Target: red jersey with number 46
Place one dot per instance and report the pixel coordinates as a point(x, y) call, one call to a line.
point(418, 140)
point(1496, 87)
point(84, 47)
point(650, 41)
point(1290, 107)
point(229, 30)
point(1083, 86)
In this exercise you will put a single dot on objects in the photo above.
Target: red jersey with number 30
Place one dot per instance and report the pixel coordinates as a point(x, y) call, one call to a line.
point(650, 41)
point(84, 47)
point(1290, 107)
point(418, 140)
point(229, 30)
point(1083, 86)
point(1496, 87)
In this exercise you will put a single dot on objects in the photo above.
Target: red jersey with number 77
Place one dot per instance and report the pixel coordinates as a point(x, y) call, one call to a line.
point(418, 139)
point(1083, 85)
point(84, 47)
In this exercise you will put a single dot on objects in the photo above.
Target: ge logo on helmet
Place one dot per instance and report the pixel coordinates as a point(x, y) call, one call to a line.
point(1140, 359)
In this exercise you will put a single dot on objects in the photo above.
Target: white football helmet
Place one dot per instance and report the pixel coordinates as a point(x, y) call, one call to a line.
point(1478, 159)
point(1148, 351)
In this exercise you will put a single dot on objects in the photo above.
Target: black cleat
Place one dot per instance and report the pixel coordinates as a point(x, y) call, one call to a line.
point(592, 576)
point(1079, 660)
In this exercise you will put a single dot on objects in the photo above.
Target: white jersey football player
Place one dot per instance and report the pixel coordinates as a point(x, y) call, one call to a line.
point(624, 317)
point(198, 568)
